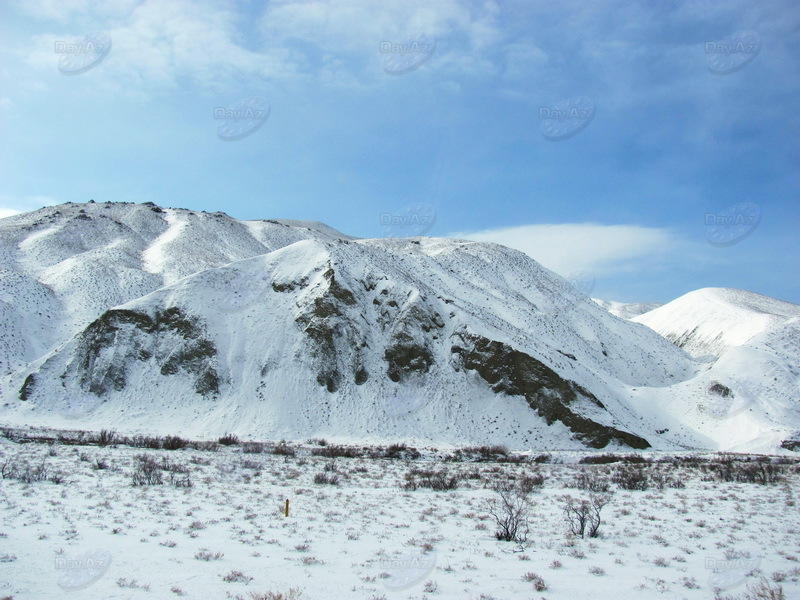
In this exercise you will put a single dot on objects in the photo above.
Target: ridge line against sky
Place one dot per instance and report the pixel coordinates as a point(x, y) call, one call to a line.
point(598, 138)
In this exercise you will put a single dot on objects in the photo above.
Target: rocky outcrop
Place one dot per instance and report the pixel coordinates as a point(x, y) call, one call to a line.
point(108, 347)
point(515, 373)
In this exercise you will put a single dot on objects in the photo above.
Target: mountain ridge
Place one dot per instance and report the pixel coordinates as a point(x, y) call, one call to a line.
point(292, 329)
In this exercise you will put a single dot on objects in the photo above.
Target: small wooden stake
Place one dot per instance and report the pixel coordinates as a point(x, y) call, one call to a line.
point(286, 509)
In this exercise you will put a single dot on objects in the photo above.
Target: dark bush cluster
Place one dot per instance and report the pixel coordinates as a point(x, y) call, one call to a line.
point(530, 482)
point(283, 449)
point(146, 471)
point(583, 516)
point(173, 442)
point(604, 459)
point(326, 478)
point(228, 439)
point(591, 480)
point(253, 448)
point(107, 437)
point(149, 471)
point(631, 477)
point(438, 481)
point(397, 452)
point(19, 469)
point(760, 472)
point(337, 452)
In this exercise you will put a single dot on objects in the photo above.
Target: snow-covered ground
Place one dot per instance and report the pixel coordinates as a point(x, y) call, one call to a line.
point(96, 535)
point(626, 310)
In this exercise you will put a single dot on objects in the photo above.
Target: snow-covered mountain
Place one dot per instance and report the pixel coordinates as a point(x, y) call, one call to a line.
point(626, 310)
point(708, 321)
point(748, 394)
point(63, 266)
point(168, 320)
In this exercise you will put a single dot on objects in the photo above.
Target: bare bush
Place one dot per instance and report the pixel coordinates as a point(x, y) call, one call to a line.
point(337, 452)
point(292, 594)
point(485, 453)
point(181, 480)
point(732, 469)
point(764, 591)
point(228, 439)
point(283, 449)
point(106, 437)
point(326, 479)
point(397, 451)
point(630, 477)
point(253, 448)
point(591, 480)
point(538, 583)
point(583, 516)
point(174, 442)
point(16, 467)
point(146, 471)
point(237, 577)
point(530, 482)
point(661, 479)
point(510, 509)
point(438, 481)
point(144, 441)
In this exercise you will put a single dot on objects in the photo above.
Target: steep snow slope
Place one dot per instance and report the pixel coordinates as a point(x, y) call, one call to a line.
point(424, 338)
point(62, 266)
point(748, 395)
point(626, 310)
point(708, 321)
point(746, 400)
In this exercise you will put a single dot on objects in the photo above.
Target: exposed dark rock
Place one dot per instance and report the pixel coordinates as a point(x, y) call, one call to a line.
point(109, 345)
point(405, 357)
point(408, 351)
point(720, 390)
point(325, 322)
point(27, 386)
point(289, 286)
point(518, 374)
point(793, 445)
point(361, 376)
point(336, 290)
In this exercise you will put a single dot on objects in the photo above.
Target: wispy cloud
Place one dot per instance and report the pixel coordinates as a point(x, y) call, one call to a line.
point(572, 248)
point(7, 212)
point(10, 205)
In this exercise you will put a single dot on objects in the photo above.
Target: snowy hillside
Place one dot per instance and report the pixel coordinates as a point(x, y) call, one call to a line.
point(706, 322)
point(626, 310)
point(431, 338)
point(63, 266)
point(748, 394)
point(161, 320)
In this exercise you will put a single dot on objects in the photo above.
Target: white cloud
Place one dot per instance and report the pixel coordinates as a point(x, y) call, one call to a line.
point(10, 206)
point(161, 43)
point(572, 248)
point(7, 212)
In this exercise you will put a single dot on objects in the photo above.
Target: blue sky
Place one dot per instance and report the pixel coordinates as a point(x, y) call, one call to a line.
point(596, 136)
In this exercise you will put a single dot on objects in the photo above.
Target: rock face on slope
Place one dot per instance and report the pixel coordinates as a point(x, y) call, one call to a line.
point(555, 399)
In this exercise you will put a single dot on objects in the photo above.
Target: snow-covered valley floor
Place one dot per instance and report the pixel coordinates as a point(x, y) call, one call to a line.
point(86, 531)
